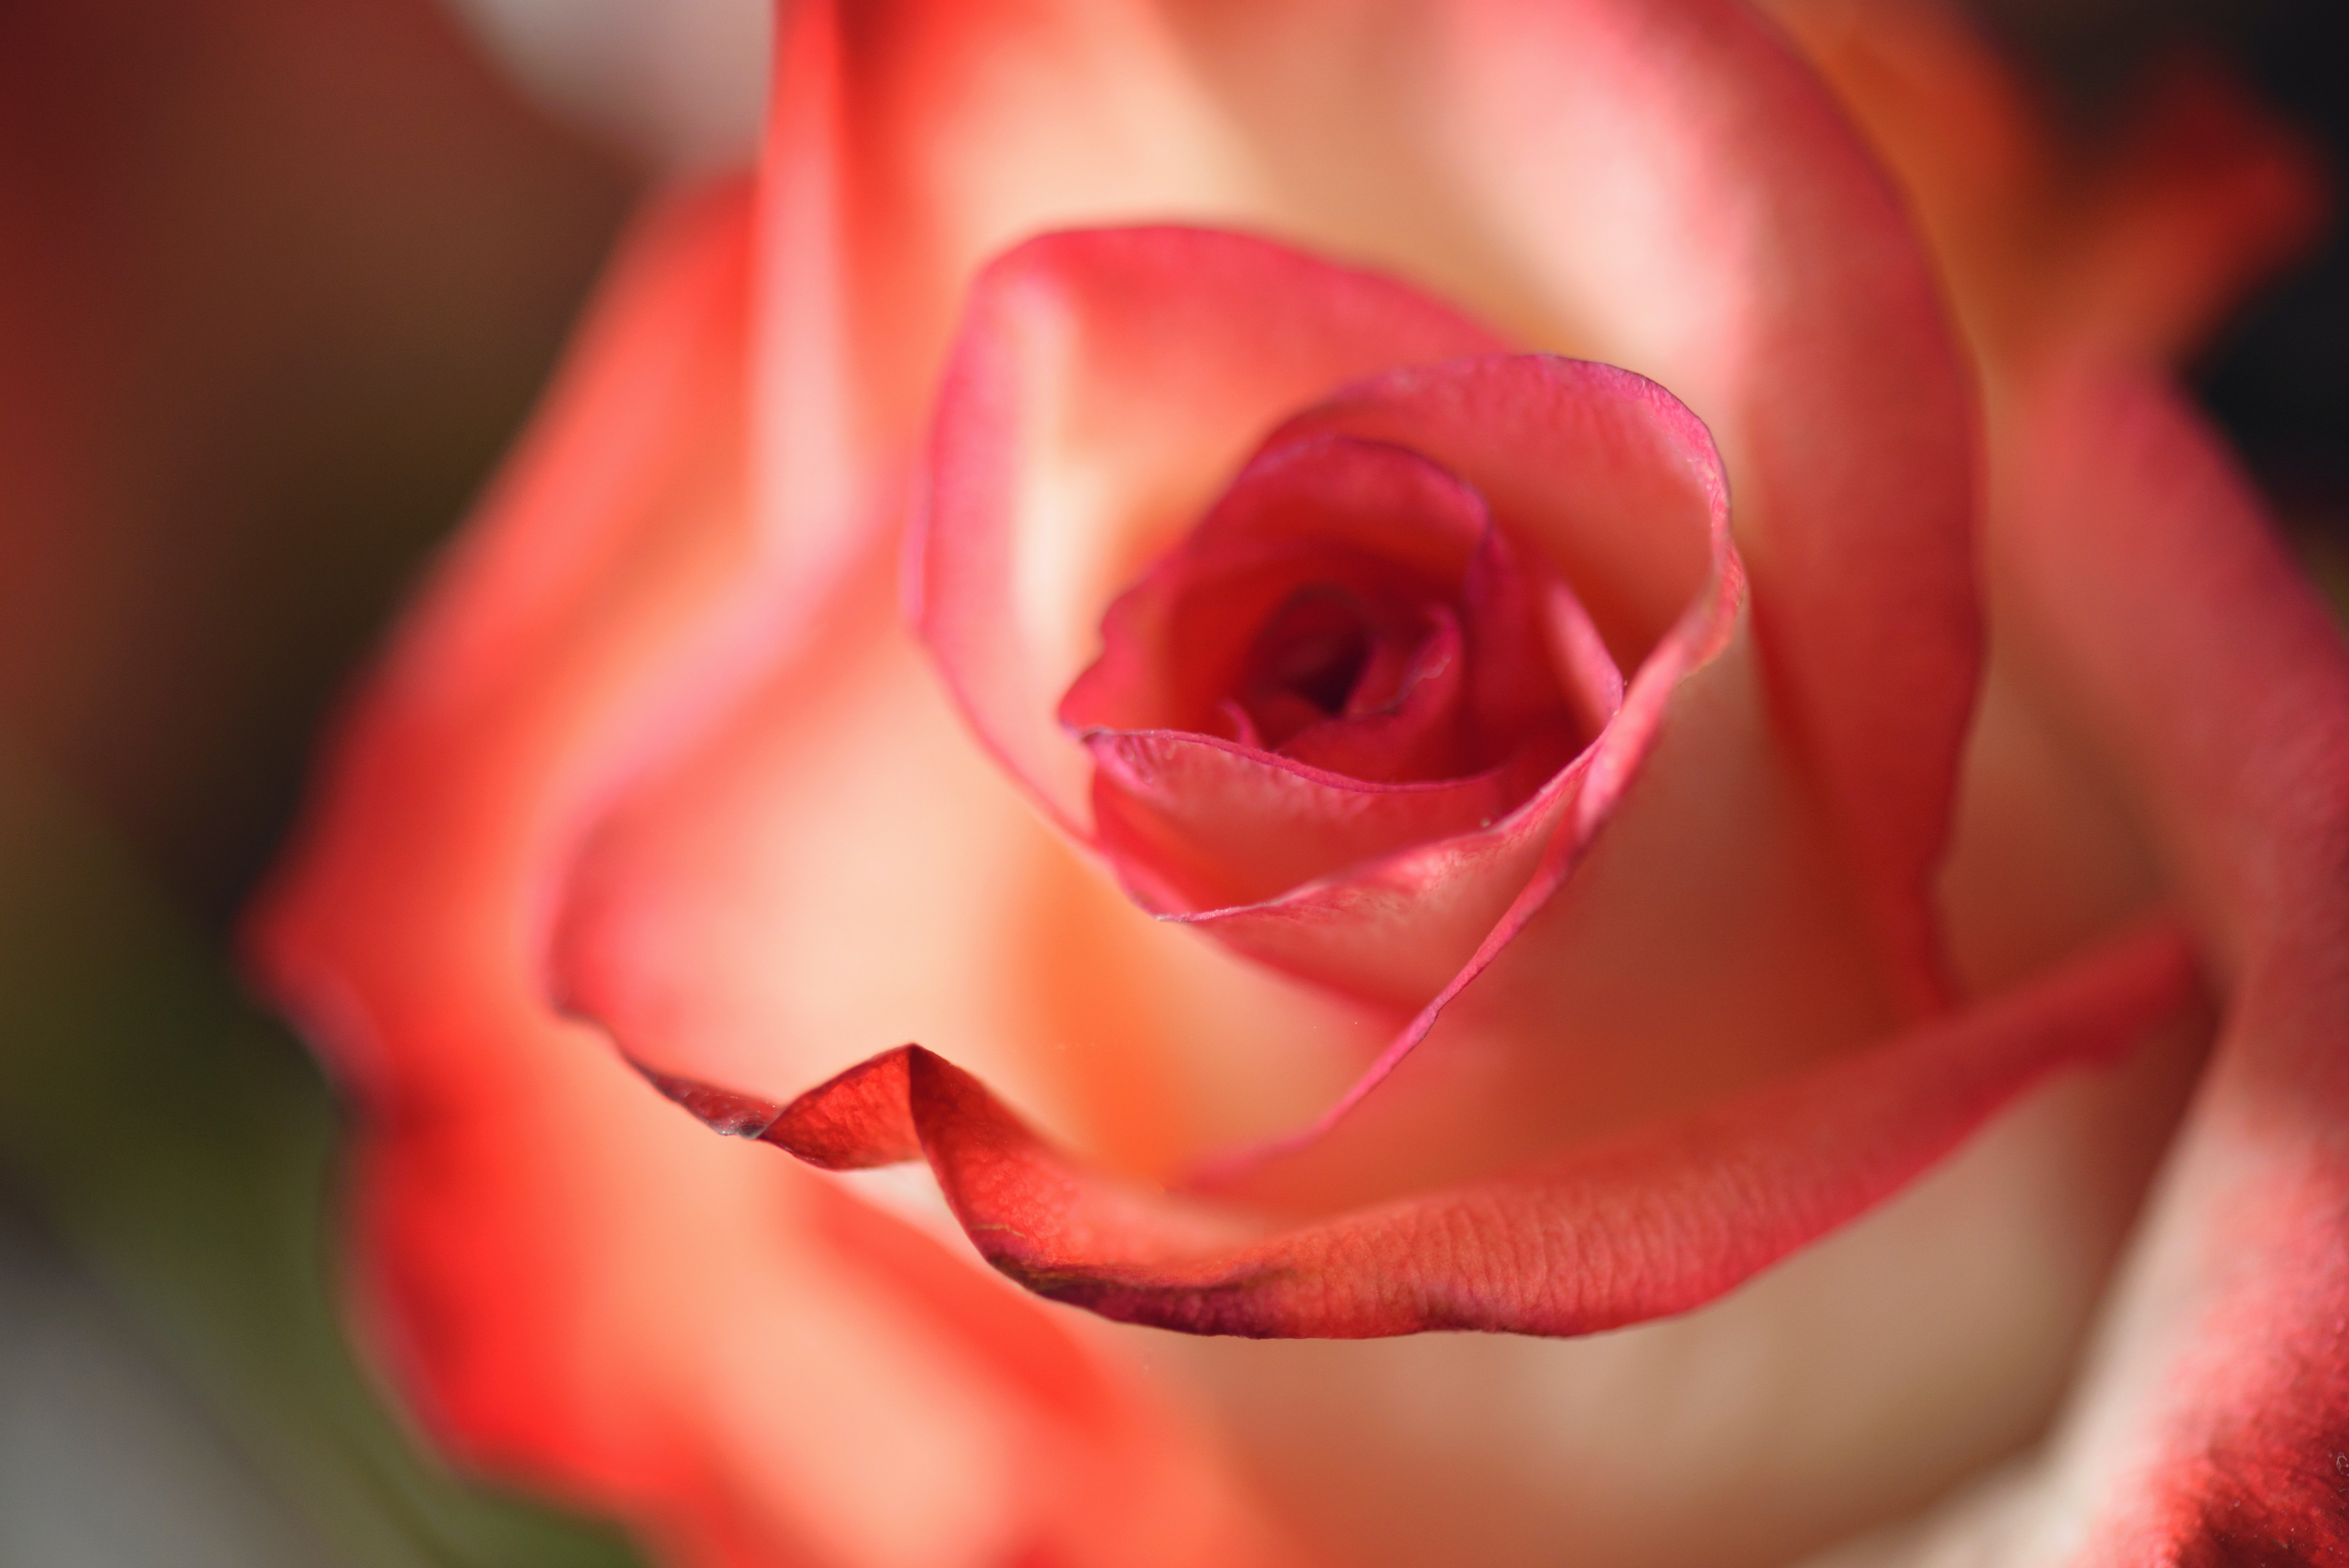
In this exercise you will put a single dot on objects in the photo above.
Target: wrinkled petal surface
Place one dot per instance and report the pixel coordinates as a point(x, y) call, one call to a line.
point(1650, 1225)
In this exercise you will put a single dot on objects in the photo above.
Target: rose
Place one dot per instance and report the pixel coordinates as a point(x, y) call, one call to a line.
point(649, 696)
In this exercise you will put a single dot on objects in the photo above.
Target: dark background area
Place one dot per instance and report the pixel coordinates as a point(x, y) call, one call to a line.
point(278, 280)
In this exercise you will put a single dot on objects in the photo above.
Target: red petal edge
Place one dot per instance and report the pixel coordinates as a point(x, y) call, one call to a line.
point(1653, 1224)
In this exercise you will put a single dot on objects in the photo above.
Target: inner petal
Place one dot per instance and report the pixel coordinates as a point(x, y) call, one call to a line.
point(1308, 659)
point(1346, 621)
point(1405, 721)
point(1216, 613)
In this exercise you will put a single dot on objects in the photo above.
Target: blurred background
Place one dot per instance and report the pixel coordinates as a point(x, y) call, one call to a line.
point(278, 281)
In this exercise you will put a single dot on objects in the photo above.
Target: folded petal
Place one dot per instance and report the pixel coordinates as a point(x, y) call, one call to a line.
point(1653, 1224)
point(1196, 823)
point(1708, 949)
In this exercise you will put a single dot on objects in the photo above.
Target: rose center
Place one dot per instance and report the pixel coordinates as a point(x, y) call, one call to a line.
point(1315, 647)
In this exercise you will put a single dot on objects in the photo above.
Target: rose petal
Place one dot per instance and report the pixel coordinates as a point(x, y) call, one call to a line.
point(1201, 829)
point(1619, 487)
point(1654, 1224)
point(1625, 212)
point(1674, 186)
point(641, 1316)
point(1600, 471)
point(1105, 385)
point(1658, 186)
point(2192, 651)
point(1375, 520)
point(1197, 824)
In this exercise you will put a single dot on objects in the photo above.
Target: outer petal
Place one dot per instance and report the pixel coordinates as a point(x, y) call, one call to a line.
point(1647, 1225)
point(1660, 187)
point(2210, 1425)
point(751, 1368)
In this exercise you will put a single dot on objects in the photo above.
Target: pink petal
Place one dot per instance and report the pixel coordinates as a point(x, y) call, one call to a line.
point(1194, 823)
point(2153, 598)
point(1104, 387)
point(1653, 1224)
point(1389, 527)
point(1601, 471)
point(1617, 216)
point(1703, 214)
point(1663, 187)
point(1619, 489)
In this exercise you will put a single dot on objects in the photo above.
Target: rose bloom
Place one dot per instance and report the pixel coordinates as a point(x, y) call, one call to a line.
point(1414, 650)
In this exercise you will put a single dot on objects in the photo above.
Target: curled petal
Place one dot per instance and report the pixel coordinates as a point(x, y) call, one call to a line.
point(1105, 385)
point(1618, 488)
point(1347, 525)
point(1435, 740)
point(1653, 1223)
point(1601, 474)
point(1195, 824)
point(1678, 188)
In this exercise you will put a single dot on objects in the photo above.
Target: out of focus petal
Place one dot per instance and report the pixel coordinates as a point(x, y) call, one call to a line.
point(2212, 1409)
point(2138, 237)
point(580, 1288)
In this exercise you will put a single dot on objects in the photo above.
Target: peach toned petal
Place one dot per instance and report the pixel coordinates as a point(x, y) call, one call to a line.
point(765, 979)
point(642, 1317)
point(1601, 471)
point(1663, 188)
point(837, 867)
